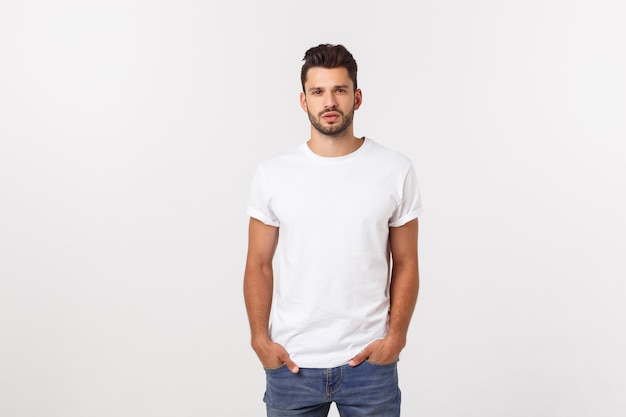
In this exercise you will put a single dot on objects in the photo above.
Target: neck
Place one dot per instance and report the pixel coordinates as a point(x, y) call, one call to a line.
point(333, 146)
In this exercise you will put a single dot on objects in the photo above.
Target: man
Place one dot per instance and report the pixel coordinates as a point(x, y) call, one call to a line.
point(329, 327)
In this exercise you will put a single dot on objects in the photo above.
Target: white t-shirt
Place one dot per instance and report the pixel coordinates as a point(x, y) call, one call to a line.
point(332, 269)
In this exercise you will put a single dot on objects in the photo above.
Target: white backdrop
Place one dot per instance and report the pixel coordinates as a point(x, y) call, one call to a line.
point(129, 131)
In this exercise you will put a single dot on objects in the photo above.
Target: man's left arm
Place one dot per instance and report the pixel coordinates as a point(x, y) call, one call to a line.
point(403, 295)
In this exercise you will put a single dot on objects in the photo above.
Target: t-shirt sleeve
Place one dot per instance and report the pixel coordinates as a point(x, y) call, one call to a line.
point(410, 202)
point(258, 201)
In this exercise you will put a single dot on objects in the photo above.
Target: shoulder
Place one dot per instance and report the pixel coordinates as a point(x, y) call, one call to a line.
point(388, 156)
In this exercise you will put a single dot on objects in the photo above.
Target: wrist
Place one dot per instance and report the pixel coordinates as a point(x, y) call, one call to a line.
point(260, 341)
point(397, 338)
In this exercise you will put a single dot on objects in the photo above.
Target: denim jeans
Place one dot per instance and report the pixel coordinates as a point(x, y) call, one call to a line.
point(366, 390)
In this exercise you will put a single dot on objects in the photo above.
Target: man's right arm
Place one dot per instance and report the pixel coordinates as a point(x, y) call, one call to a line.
point(258, 285)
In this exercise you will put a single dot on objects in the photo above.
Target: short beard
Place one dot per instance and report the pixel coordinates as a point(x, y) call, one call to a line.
point(332, 130)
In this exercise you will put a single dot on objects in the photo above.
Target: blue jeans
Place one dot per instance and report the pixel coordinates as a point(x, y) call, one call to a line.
point(366, 390)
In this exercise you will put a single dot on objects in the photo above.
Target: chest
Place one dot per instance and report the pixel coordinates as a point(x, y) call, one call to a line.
point(341, 197)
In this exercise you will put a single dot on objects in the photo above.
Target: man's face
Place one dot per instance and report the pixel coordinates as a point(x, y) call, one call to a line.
point(330, 100)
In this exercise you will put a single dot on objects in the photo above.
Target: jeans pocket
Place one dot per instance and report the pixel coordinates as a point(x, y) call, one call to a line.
point(381, 364)
point(275, 368)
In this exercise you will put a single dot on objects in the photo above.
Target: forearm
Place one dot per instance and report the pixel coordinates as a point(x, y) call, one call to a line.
point(403, 294)
point(258, 289)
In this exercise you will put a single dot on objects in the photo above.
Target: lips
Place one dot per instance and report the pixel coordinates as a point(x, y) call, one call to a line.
point(331, 116)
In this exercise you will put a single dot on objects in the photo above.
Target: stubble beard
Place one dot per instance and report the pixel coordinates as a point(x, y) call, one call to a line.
point(332, 130)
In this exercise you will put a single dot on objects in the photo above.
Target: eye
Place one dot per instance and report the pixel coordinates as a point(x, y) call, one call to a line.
point(316, 92)
point(340, 90)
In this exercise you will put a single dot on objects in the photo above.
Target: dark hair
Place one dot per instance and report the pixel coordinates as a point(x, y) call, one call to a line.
point(329, 56)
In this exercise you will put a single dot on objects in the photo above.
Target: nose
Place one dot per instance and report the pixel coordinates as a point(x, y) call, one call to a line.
point(330, 101)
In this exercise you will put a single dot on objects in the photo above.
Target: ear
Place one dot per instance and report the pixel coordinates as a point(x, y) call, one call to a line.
point(303, 102)
point(358, 99)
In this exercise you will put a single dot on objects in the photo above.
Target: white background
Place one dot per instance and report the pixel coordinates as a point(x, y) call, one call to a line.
point(129, 131)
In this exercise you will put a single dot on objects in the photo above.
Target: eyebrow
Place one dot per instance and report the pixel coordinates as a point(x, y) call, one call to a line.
point(344, 86)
